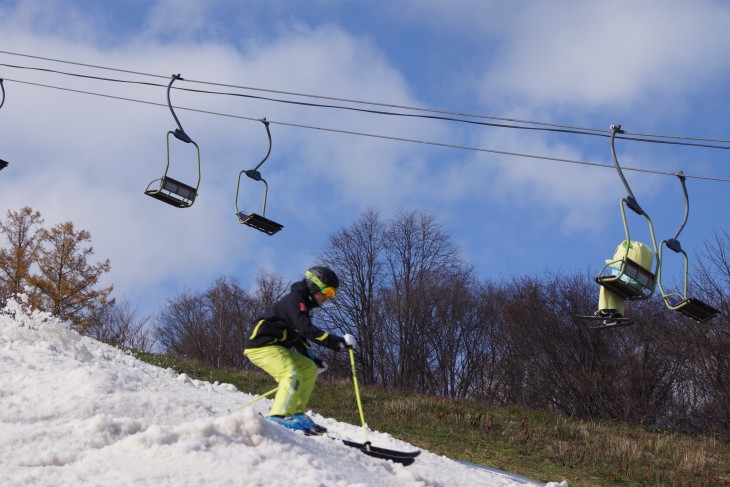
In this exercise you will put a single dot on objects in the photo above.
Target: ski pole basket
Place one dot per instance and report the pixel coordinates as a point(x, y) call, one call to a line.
point(166, 188)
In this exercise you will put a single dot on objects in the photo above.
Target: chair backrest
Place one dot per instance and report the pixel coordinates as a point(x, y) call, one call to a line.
point(174, 192)
point(628, 279)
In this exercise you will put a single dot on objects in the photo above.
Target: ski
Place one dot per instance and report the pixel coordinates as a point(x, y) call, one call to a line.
point(607, 321)
point(315, 431)
point(404, 458)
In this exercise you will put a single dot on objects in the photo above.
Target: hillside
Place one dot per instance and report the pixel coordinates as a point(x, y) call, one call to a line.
point(533, 444)
point(79, 412)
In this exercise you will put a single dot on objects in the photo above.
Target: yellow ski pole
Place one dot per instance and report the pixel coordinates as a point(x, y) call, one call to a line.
point(357, 396)
point(257, 398)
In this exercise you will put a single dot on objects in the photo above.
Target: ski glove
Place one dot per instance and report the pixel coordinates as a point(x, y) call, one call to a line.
point(321, 364)
point(350, 341)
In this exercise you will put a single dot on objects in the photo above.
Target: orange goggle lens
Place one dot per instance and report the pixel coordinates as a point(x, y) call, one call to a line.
point(329, 292)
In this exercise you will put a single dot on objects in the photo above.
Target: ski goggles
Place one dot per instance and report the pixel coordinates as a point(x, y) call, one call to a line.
point(328, 291)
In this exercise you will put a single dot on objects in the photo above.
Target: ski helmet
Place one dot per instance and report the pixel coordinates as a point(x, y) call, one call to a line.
point(322, 279)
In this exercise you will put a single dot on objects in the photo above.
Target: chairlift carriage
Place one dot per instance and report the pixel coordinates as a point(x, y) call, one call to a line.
point(253, 220)
point(688, 306)
point(3, 164)
point(629, 275)
point(169, 190)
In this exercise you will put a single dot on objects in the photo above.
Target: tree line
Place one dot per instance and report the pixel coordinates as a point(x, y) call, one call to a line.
point(52, 268)
point(426, 323)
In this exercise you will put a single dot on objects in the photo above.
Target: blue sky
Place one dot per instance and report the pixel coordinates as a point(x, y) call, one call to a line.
point(655, 67)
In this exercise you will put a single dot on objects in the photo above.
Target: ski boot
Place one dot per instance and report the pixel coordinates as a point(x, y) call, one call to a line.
point(310, 427)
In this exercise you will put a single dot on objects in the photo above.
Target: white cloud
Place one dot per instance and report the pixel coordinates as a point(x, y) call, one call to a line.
point(609, 53)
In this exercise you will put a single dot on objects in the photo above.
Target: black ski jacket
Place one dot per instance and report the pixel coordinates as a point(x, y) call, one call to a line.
point(288, 323)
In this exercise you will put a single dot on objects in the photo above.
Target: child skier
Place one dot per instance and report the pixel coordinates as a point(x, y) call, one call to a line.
point(279, 344)
point(611, 305)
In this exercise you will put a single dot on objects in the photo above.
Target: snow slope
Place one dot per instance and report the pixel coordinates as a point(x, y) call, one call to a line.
point(76, 412)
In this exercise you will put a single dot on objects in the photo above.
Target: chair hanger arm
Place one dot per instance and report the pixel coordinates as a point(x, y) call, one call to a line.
point(179, 132)
point(268, 134)
point(682, 179)
point(631, 199)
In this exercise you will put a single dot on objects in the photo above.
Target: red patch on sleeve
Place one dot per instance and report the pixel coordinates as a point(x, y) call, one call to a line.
point(302, 307)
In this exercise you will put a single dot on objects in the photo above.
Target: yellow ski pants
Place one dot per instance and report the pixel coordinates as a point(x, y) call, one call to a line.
point(295, 374)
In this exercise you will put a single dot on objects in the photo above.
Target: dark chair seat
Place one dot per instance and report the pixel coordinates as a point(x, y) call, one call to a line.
point(259, 222)
point(696, 310)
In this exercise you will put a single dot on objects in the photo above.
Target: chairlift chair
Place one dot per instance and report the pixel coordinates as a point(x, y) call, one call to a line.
point(624, 276)
point(253, 220)
point(3, 164)
point(691, 307)
point(170, 190)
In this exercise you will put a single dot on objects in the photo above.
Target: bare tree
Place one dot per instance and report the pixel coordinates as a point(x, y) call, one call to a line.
point(118, 325)
point(419, 254)
point(211, 325)
point(182, 327)
point(486, 347)
point(230, 310)
point(355, 254)
point(269, 287)
point(709, 344)
point(454, 338)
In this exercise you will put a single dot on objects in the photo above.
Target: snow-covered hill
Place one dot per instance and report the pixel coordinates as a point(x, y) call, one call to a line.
point(76, 412)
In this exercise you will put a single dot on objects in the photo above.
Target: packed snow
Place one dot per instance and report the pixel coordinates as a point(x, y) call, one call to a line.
point(76, 412)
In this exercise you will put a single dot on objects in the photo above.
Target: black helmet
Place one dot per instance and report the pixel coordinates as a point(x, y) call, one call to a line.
point(322, 279)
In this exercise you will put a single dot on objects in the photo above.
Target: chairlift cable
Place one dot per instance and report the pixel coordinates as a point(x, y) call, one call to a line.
point(555, 128)
point(377, 136)
point(567, 128)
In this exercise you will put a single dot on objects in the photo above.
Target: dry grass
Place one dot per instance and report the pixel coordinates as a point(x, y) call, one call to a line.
point(553, 447)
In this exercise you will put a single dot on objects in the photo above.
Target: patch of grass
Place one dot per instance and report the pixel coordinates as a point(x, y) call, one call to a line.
point(536, 444)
